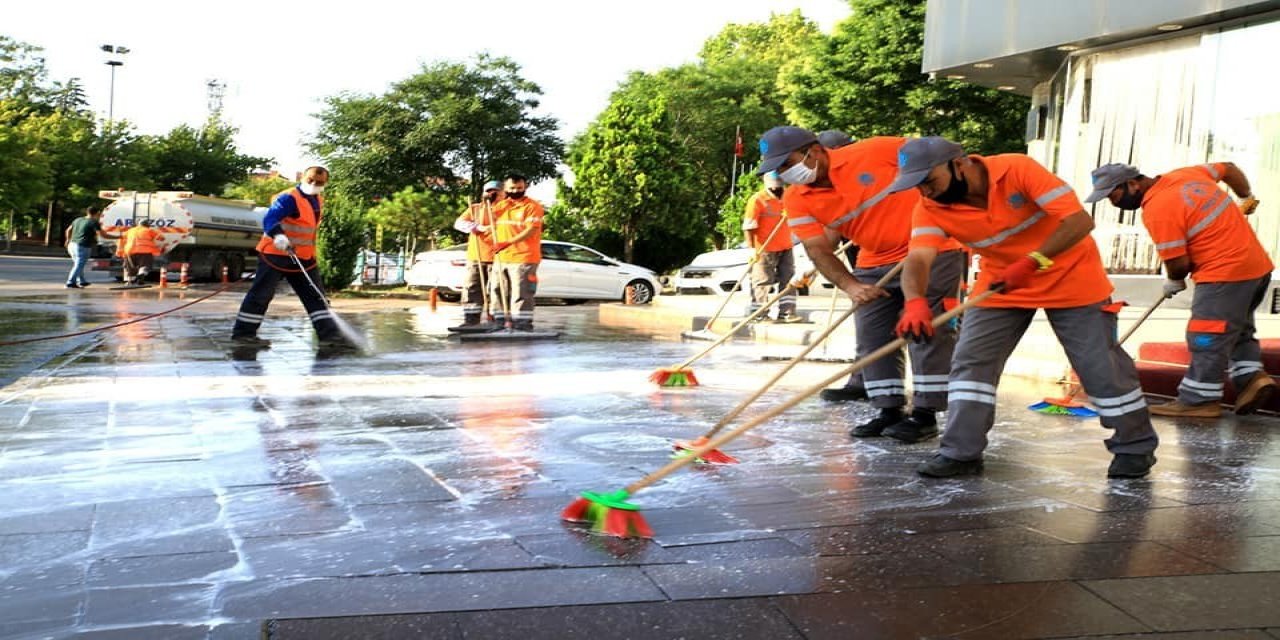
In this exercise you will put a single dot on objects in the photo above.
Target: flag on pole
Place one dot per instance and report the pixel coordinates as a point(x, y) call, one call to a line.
point(737, 142)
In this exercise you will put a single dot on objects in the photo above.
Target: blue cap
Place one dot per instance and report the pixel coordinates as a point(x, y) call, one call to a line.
point(778, 143)
point(492, 184)
point(919, 156)
point(834, 138)
point(1109, 176)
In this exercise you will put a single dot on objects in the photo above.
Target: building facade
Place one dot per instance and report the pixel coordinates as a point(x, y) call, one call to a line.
point(1159, 84)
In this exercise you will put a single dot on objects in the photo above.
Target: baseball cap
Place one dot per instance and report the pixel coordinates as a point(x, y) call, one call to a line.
point(834, 138)
point(918, 156)
point(492, 184)
point(778, 143)
point(1109, 176)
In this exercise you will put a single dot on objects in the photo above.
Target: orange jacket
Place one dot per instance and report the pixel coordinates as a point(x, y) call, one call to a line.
point(139, 239)
point(300, 230)
point(1025, 204)
point(479, 245)
point(511, 218)
point(763, 214)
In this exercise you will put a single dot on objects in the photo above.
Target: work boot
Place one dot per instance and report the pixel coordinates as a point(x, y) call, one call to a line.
point(940, 466)
point(878, 424)
point(1256, 392)
point(921, 425)
point(469, 324)
point(251, 341)
point(1179, 409)
point(1131, 465)
point(788, 318)
point(847, 393)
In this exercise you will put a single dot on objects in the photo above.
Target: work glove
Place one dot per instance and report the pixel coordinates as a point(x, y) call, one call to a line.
point(916, 322)
point(500, 246)
point(1248, 205)
point(1018, 275)
point(1174, 287)
point(801, 282)
point(281, 241)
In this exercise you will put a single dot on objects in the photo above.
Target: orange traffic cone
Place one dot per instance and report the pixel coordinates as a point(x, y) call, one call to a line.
point(183, 275)
point(164, 278)
point(225, 274)
point(434, 298)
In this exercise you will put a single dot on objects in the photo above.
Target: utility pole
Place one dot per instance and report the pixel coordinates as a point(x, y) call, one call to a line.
point(115, 59)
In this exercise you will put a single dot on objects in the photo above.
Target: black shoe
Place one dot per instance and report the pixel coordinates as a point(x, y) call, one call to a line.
point(1131, 465)
point(85, 284)
point(940, 466)
point(847, 393)
point(917, 427)
point(73, 286)
point(250, 341)
point(874, 427)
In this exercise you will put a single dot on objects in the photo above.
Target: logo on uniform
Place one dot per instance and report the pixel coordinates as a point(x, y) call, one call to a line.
point(764, 146)
point(867, 179)
point(1017, 200)
point(1204, 341)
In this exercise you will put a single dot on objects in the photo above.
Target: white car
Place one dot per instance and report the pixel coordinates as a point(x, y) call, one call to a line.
point(570, 272)
point(717, 271)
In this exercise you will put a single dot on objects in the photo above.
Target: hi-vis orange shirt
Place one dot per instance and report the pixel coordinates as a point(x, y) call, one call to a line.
point(1188, 214)
point(513, 216)
point(857, 204)
point(479, 245)
point(763, 215)
point(1025, 205)
point(139, 239)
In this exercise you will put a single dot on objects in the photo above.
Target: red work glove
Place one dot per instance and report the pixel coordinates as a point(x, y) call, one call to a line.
point(1018, 275)
point(916, 322)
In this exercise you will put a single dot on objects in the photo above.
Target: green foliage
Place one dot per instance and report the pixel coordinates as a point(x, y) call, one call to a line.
point(24, 172)
point(23, 77)
point(452, 126)
point(735, 208)
point(203, 160)
point(338, 239)
point(260, 190)
point(412, 215)
point(866, 80)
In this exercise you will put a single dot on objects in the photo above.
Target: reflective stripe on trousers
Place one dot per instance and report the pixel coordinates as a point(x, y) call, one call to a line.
point(254, 307)
point(1234, 351)
point(773, 268)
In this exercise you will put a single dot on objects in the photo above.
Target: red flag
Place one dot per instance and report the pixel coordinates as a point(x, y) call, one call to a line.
point(737, 143)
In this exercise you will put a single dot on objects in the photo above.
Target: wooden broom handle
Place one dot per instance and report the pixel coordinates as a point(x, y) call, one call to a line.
point(720, 440)
point(745, 272)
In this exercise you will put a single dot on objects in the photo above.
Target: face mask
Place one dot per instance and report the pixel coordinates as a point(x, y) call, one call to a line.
point(1131, 200)
point(515, 195)
point(800, 173)
point(311, 189)
point(956, 191)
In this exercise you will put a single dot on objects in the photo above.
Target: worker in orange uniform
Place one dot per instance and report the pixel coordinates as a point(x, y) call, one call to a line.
point(846, 190)
point(518, 229)
point(853, 388)
point(477, 223)
point(139, 248)
point(289, 227)
point(773, 265)
point(1201, 232)
point(1033, 236)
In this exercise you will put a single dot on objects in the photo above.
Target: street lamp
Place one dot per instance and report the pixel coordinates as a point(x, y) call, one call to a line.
point(116, 52)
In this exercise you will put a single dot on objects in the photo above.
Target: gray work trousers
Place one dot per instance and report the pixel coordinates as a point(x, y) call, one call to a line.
point(517, 284)
point(930, 361)
point(474, 296)
point(1220, 337)
point(773, 268)
point(1087, 334)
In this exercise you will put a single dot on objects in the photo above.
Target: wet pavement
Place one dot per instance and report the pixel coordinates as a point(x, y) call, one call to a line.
point(157, 483)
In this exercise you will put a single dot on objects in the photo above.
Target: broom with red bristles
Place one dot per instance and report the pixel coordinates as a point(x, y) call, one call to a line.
point(715, 456)
point(1067, 405)
point(682, 376)
point(611, 514)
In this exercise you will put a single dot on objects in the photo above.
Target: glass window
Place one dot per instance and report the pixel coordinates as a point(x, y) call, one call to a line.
point(580, 254)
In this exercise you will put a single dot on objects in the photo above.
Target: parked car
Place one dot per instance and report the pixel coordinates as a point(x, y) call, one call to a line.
point(570, 272)
point(718, 271)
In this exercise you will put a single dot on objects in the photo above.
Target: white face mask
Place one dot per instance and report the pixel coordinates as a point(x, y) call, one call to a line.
point(310, 189)
point(800, 173)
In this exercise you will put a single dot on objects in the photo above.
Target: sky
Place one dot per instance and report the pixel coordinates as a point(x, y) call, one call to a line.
point(280, 60)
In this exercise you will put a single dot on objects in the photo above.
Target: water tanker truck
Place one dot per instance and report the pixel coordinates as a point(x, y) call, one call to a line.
point(203, 232)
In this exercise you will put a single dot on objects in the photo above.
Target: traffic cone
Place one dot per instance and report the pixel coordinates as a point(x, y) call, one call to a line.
point(628, 295)
point(164, 278)
point(434, 298)
point(225, 274)
point(183, 275)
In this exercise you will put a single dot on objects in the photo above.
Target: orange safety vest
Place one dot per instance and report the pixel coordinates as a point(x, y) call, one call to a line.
point(140, 239)
point(301, 230)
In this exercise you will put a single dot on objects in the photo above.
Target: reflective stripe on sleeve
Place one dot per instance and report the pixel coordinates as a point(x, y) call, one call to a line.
point(1213, 215)
point(1004, 235)
point(1052, 195)
point(1213, 171)
point(802, 220)
point(1171, 244)
point(928, 231)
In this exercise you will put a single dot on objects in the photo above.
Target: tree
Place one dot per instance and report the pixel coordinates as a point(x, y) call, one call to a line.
point(260, 190)
point(413, 214)
point(866, 80)
point(451, 126)
point(339, 238)
point(24, 172)
point(23, 76)
point(628, 178)
point(203, 160)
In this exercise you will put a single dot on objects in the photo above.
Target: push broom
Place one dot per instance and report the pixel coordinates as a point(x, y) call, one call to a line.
point(1067, 405)
point(716, 456)
point(682, 376)
point(705, 332)
point(611, 514)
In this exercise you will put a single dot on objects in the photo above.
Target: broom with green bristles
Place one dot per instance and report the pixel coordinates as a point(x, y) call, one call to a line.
point(682, 376)
point(715, 456)
point(611, 514)
point(1067, 405)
